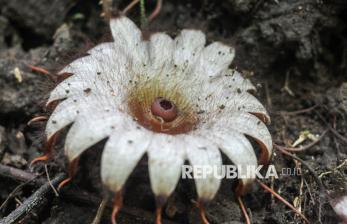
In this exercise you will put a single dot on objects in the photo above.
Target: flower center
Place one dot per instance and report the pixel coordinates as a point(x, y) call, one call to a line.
point(160, 107)
point(164, 109)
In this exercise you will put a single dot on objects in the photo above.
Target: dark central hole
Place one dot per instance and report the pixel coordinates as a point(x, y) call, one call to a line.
point(166, 104)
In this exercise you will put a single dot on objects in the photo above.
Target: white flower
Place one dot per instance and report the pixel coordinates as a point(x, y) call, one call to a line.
point(174, 99)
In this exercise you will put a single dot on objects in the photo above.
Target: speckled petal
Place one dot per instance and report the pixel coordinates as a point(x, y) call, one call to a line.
point(238, 149)
point(121, 154)
point(188, 47)
point(215, 58)
point(64, 114)
point(80, 87)
point(230, 80)
point(161, 49)
point(101, 48)
point(129, 37)
point(204, 153)
point(230, 101)
point(165, 159)
point(100, 61)
point(89, 129)
point(250, 125)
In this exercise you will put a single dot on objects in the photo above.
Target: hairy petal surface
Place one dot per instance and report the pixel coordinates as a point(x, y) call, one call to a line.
point(204, 153)
point(166, 156)
point(64, 114)
point(161, 49)
point(188, 47)
point(121, 154)
point(126, 35)
point(215, 58)
point(238, 149)
point(247, 124)
point(89, 129)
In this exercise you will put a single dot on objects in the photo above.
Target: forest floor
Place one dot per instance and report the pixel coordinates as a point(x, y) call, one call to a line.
point(295, 51)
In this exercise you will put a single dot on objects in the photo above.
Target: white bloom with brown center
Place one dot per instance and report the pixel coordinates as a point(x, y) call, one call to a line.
point(172, 99)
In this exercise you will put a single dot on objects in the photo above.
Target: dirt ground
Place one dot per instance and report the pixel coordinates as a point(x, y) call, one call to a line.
point(294, 50)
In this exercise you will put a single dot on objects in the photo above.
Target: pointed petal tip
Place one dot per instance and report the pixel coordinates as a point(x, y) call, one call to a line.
point(161, 199)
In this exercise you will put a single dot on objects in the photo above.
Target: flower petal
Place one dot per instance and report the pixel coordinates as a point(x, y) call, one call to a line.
point(250, 125)
point(77, 86)
point(246, 102)
point(205, 154)
point(101, 48)
point(189, 45)
point(239, 150)
point(106, 66)
point(340, 207)
point(89, 129)
point(122, 152)
point(238, 81)
point(64, 114)
point(161, 48)
point(229, 100)
point(128, 36)
point(229, 79)
point(165, 159)
point(215, 58)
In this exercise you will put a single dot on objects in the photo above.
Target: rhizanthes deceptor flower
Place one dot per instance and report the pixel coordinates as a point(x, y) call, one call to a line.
point(175, 100)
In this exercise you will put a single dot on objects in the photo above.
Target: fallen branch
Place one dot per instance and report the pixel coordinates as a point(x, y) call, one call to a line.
point(74, 196)
point(19, 175)
point(39, 199)
point(13, 193)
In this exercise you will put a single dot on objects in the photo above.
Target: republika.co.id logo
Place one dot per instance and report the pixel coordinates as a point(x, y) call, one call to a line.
point(236, 172)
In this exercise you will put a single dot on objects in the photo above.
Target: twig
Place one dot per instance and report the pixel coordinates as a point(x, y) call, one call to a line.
point(286, 85)
point(318, 181)
point(302, 148)
point(337, 134)
point(282, 199)
point(13, 193)
point(292, 113)
point(42, 71)
point(155, 11)
point(130, 6)
point(334, 170)
point(333, 130)
point(100, 211)
point(244, 211)
point(39, 199)
point(50, 182)
point(19, 175)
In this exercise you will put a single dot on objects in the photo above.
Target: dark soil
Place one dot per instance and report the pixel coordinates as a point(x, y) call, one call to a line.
point(294, 50)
